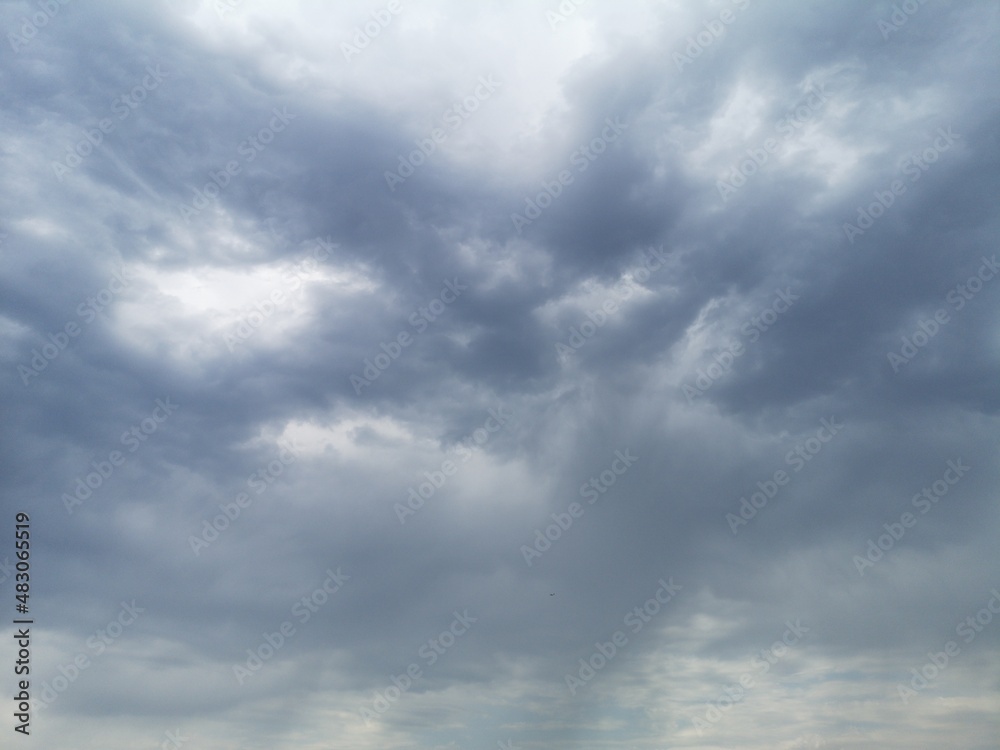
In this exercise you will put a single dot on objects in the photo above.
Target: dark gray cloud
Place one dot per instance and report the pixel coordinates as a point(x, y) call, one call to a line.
point(310, 452)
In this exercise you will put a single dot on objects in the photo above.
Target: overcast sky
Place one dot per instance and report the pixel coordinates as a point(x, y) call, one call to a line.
point(437, 374)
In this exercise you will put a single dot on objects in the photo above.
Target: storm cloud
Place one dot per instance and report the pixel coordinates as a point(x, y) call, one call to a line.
point(529, 375)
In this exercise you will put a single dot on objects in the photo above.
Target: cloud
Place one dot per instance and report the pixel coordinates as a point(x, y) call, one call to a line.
point(198, 215)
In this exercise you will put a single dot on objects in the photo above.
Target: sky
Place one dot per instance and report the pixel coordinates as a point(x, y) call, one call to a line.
point(434, 375)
